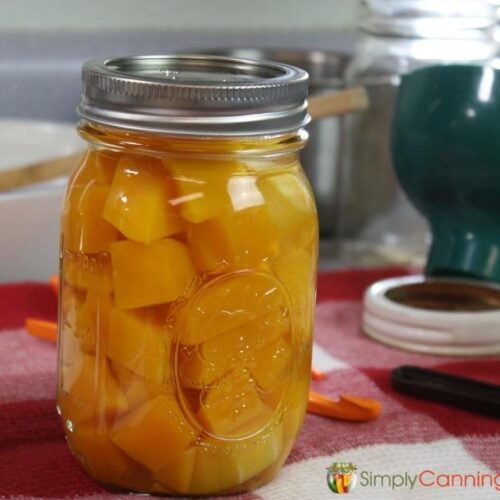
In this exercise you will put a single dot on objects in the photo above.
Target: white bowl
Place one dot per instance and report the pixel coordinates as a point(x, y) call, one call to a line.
point(29, 217)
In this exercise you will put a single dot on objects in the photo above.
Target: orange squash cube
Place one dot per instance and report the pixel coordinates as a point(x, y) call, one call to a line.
point(232, 407)
point(138, 341)
point(91, 321)
point(229, 302)
point(215, 466)
point(290, 207)
point(85, 324)
point(88, 272)
point(72, 305)
point(88, 390)
point(271, 364)
point(97, 167)
point(273, 397)
point(177, 476)
point(137, 390)
point(105, 162)
point(139, 201)
point(296, 270)
point(221, 467)
point(241, 344)
point(97, 308)
point(239, 240)
point(201, 366)
point(84, 228)
point(154, 433)
point(202, 187)
point(103, 460)
point(295, 409)
point(72, 298)
point(70, 348)
point(145, 275)
point(194, 371)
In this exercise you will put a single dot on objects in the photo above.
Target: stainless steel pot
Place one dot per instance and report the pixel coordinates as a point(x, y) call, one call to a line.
point(320, 157)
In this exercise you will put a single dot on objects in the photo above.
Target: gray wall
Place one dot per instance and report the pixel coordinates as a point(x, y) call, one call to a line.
point(177, 15)
point(44, 42)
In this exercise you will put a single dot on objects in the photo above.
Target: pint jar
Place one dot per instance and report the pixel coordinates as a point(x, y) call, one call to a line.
point(188, 268)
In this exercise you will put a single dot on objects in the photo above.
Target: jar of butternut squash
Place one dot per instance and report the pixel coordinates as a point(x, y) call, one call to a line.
point(188, 268)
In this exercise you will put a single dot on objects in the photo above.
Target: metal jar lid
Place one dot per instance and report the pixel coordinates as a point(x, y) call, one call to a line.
point(446, 316)
point(194, 95)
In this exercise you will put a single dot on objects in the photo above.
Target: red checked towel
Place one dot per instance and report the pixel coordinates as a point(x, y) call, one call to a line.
point(410, 437)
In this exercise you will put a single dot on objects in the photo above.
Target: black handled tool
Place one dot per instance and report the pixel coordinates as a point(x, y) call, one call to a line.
point(472, 395)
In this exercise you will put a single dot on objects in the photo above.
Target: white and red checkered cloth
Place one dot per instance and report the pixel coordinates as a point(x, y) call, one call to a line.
point(410, 436)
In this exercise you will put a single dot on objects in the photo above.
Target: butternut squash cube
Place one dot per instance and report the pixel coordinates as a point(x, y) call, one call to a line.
point(177, 476)
point(202, 187)
point(227, 303)
point(295, 409)
point(97, 167)
point(273, 397)
point(154, 433)
point(89, 390)
point(194, 371)
point(104, 460)
point(221, 467)
point(145, 275)
point(70, 348)
point(83, 226)
point(137, 390)
point(271, 364)
point(139, 201)
point(105, 162)
point(240, 345)
point(290, 207)
point(211, 359)
point(88, 272)
point(92, 321)
point(72, 305)
point(213, 466)
point(296, 270)
point(232, 407)
point(239, 240)
point(71, 299)
point(138, 341)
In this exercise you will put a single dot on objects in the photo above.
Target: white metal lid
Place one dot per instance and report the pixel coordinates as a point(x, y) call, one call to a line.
point(444, 316)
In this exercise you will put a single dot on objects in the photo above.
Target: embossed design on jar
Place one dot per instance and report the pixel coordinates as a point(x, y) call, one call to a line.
point(233, 356)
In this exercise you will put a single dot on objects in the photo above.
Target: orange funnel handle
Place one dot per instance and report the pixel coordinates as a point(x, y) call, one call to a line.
point(347, 407)
point(44, 330)
point(54, 283)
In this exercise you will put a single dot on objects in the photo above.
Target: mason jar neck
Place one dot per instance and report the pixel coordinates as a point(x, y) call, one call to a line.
point(168, 145)
point(429, 19)
point(398, 55)
point(399, 36)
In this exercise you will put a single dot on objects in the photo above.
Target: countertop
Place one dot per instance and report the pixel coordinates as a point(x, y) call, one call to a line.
point(412, 439)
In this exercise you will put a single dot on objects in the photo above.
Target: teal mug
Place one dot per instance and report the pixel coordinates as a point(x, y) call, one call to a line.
point(446, 152)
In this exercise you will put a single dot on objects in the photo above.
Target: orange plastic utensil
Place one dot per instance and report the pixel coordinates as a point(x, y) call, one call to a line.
point(317, 374)
point(351, 408)
point(54, 283)
point(41, 329)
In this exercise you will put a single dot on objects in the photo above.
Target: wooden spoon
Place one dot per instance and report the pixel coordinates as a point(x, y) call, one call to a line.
point(38, 172)
point(339, 102)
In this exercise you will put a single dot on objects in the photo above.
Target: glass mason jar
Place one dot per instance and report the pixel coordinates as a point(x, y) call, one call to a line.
point(188, 268)
point(376, 223)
